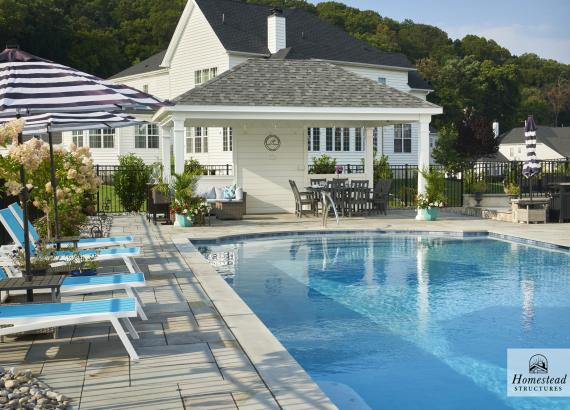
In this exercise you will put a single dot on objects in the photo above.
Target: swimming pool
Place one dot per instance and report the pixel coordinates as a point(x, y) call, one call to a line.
point(404, 321)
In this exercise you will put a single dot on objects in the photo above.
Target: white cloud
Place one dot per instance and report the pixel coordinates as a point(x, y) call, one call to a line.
point(520, 39)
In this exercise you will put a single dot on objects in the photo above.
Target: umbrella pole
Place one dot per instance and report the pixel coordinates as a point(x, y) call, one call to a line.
point(530, 187)
point(53, 184)
point(24, 194)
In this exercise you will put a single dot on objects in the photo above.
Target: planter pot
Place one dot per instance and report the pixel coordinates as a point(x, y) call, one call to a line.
point(430, 214)
point(83, 272)
point(478, 197)
point(183, 221)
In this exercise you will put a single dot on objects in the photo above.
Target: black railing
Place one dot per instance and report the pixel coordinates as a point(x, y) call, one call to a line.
point(219, 170)
point(495, 175)
point(346, 169)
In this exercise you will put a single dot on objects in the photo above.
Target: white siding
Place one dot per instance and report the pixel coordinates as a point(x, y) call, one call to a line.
point(517, 152)
point(158, 83)
point(216, 155)
point(199, 48)
point(394, 78)
point(265, 175)
point(236, 59)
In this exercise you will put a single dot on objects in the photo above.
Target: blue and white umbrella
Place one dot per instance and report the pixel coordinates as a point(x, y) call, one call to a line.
point(531, 166)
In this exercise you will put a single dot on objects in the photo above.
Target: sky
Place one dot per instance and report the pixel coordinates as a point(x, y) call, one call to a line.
point(523, 26)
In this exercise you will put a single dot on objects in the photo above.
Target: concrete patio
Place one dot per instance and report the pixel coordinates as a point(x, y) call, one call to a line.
point(202, 347)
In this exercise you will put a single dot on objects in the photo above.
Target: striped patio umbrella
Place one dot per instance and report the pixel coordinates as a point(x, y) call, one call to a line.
point(32, 85)
point(60, 122)
point(531, 166)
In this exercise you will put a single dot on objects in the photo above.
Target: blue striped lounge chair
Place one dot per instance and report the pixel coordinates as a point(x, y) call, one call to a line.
point(16, 232)
point(82, 243)
point(79, 285)
point(23, 318)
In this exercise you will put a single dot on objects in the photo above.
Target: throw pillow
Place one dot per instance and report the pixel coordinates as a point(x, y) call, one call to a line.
point(219, 193)
point(229, 192)
point(239, 194)
point(211, 194)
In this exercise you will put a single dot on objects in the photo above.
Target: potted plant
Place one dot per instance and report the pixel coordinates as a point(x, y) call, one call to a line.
point(433, 198)
point(512, 189)
point(182, 214)
point(181, 189)
point(323, 165)
point(40, 261)
point(478, 188)
point(82, 265)
point(199, 210)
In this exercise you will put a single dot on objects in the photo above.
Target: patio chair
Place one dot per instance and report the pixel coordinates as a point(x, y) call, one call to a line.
point(83, 243)
point(79, 285)
point(16, 232)
point(340, 194)
point(26, 317)
point(302, 199)
point(359, 200)
point(382, 195)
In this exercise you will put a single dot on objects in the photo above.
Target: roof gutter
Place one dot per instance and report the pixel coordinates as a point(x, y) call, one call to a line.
point(356, 64)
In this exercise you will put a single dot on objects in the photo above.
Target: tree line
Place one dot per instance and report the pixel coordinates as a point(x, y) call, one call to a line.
point(105, 36)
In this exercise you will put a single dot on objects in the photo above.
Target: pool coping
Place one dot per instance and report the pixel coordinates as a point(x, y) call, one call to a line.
point(290, 384)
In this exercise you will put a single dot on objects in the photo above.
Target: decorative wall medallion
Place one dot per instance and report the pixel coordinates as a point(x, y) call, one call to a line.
point(272, 143)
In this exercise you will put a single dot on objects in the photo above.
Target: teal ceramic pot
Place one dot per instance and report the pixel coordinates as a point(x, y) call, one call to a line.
point(183, 221)
point(430, 214)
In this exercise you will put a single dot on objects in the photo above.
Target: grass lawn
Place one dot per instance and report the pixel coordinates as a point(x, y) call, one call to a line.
point(109, 201)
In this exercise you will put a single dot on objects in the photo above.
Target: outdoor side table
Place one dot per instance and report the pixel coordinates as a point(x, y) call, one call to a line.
point(529, 210)
point(51, 282)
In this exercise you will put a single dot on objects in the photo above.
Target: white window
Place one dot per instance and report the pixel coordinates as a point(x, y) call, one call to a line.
point(77, 138)
point(228, 139)
point(519, 150)
point(346, 139)
point(375, 138)
point(196, 140)
point(102, 138)
point(338, 139)
point(402, 138)
point(358, 139)
point(329, 139)
point(382, 80)
point(511, 152)
point(146, 136)
point(201, 76)
point(145, 88)
point(314, 139)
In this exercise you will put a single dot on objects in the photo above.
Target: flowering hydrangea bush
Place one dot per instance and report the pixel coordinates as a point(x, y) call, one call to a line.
point(9, 131)
point(77, 182)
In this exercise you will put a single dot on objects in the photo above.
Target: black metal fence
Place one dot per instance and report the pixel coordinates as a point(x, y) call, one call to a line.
point(220, 170)
point(495, 175)
point(405, 186)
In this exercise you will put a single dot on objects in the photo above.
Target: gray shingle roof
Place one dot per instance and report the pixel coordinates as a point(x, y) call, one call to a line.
point(416, 81)
point(244, 28)
point(297, 83)
point(146, 66)
point(557, 138)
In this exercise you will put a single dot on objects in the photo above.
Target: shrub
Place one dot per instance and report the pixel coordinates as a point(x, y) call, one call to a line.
point(434, 195)
point(323, 165)
point(130, 182)
point(382, 168)
point(193, 167)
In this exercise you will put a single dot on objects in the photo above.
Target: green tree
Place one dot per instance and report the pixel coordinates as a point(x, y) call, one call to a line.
point(130, 181)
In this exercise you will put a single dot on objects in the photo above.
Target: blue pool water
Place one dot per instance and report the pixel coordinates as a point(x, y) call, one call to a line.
point(405, 321)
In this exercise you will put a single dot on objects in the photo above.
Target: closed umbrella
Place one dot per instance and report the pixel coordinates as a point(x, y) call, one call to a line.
point(531, 166)
point(32, 85)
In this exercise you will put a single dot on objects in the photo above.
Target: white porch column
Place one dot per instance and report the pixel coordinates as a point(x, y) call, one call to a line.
point(178, 135)
point(369, 155)
point(423, 153)
point(165, 143)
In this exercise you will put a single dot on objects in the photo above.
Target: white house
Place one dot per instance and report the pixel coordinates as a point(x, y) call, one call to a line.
point(551, 143)
point(214, 36)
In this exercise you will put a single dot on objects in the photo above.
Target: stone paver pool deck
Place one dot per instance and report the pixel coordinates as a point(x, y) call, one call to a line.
point(202, 347)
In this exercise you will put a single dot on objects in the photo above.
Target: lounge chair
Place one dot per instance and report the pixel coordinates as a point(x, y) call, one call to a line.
point(16, 232)
point(23, 318)
point(81, 243)
point(79, 285)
